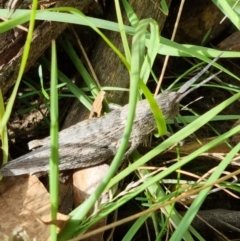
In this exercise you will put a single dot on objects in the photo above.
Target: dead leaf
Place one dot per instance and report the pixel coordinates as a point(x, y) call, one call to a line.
point(25, 203)
point(85, 181)
point(60, 223)
point(97, 104)
point(192, 146)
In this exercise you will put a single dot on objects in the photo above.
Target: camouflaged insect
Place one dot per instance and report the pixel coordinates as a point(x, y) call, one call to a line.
point(94, 141)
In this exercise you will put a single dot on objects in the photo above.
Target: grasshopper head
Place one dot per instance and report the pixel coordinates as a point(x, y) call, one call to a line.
point(168, 104)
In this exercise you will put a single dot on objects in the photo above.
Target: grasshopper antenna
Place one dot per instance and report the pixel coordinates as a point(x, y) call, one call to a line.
point(197, 86)
point(196, 77)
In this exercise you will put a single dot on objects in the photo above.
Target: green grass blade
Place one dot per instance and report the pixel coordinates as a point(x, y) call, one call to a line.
point(195, 206)
point(152, 50)
point(177, 137)
point(166, 47)
point(40, 73)
point(157, 113)
point(78, 93)
point(79, 65)
point(51, 15)
point(225, 7)
point(164, 7)
point(138, 50)
point(122, 31)
point(22, 66)
point(132, 16)
point(54, 159)
point(170, 170)
point(135, 227)
point(3, 132)
point(12, 23)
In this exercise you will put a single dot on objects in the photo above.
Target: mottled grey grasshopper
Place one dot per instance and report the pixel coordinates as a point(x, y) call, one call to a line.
point(94, 141)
